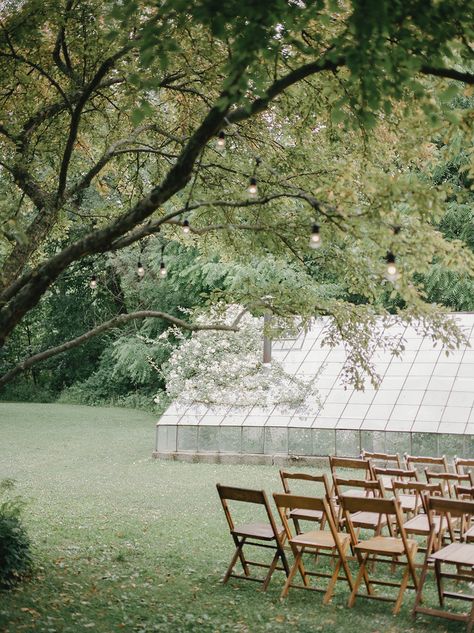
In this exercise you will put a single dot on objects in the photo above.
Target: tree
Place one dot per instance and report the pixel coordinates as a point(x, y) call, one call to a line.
point(108, 127)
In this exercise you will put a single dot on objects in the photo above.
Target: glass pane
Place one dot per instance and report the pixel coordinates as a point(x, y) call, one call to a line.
point(252, 439)
point(230, 439)
point(347, 443)
point(398, 442)
point(451, 445)
point(208, 440)
point(425, 444)
point(300, 441)
point(324, 442)
point(187, 438)
point(166, 438)
point(373, 441)
point(276, 440)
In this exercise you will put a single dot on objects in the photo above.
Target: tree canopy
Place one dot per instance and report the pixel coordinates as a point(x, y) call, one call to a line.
point(340, 113)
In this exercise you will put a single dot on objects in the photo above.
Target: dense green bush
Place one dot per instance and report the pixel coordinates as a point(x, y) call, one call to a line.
point(15, 549)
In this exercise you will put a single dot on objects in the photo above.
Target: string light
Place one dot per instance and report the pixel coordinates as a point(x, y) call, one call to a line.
point(163, 271)
point(221, 140)
point(140, 270)
point(93, 282)
point(391, 272)
point(186, 227)
point(315, 239)
point(252, 188)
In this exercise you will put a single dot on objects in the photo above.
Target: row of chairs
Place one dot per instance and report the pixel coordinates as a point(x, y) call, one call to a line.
point(442, 511)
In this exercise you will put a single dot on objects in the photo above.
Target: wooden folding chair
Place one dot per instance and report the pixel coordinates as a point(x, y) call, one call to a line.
point(464, 467)
point(419, 524)
point(304, 514)
point(321, 542)
point(380, 549)
point(362, 520)
point(466, 493)
point(360, 466)
point(382, 460)
point(450, 480)
point(423, 462)
point(410, 503)
point(457, 555)
point(266, 535)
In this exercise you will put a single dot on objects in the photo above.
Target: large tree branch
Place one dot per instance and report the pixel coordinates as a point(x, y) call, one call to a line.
point(448, 73)
point(117, 321)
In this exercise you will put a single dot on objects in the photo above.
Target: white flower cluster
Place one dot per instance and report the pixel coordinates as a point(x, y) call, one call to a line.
point(226, 368)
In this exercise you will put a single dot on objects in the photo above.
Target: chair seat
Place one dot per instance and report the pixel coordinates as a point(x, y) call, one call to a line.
point(306, 515)
point(384, 545)
point(420, 525)
point(369, 520)
point(319, 538)
point(455, 553)
point(386, 481)
point(257, 530)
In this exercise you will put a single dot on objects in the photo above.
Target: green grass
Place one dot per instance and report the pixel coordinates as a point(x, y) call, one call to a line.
point(127, 543)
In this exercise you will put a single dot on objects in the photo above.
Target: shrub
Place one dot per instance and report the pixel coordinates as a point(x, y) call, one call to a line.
point(15, 549)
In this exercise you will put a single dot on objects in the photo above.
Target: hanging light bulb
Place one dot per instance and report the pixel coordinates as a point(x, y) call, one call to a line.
point(93, 282)
point(221, 140)
point(391, 272)
point(315, 239)
point(186, 227)
point(163, 271)
point(252, 188)
point(140, 270)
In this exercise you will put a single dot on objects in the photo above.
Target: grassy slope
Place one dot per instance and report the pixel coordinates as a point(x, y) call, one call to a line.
point(124, 542)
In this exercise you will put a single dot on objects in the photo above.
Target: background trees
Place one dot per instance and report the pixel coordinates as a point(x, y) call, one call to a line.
point(108, 129)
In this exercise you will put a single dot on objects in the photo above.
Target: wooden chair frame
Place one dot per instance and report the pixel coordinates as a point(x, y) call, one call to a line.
point(411, 461)
point(420, 524)
point(314, 542)
point(362, 520)
point(458, 555)
point(350, 463)
point(297, 514)
point(410, 503)
point(461, 463)
point(450, 480)
point(386, 458)
point(378, 548)
point(269, 534)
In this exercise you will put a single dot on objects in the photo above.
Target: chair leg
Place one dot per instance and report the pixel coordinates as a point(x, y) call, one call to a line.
point(272, 568)
point(237, 554)
point(403, 586)
point(332, 583)
point(419, 592)
point(291, 575)
point(439, 582)
point(361, 575)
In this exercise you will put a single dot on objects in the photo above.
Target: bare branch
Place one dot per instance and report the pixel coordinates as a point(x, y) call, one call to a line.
point(448, 73)
point(117, 321)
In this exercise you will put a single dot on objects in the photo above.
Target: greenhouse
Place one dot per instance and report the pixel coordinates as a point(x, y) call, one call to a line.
point(423, 405)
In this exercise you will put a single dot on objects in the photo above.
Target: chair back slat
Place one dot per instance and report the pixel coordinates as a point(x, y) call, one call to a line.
point(231, 493)
point(352, 463)
point(401, 473)
point(455, 507)
point(426, 460)
point(290, 502)
point(368, 504)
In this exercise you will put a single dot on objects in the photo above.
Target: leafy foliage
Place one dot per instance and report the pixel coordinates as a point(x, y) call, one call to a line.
point(15, 548)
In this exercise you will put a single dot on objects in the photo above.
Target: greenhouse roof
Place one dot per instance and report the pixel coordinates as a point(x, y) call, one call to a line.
point(423, 390)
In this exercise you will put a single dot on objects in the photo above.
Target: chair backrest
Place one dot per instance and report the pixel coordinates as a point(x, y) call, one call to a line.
point(464, 492)
point(382, 458)
point(400, 474)
point(461, 465)
point(372, 488)
point(450, 480)
point(287, 502)
point(419, 461)
point(419, 489)
point(245, 495)
point(388, 507)
point(286, 477)
point(350, 463)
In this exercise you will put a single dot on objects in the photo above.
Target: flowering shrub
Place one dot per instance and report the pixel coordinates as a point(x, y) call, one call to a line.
point(226, 368)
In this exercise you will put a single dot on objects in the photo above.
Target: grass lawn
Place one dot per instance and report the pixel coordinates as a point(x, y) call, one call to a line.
point(127, 543)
